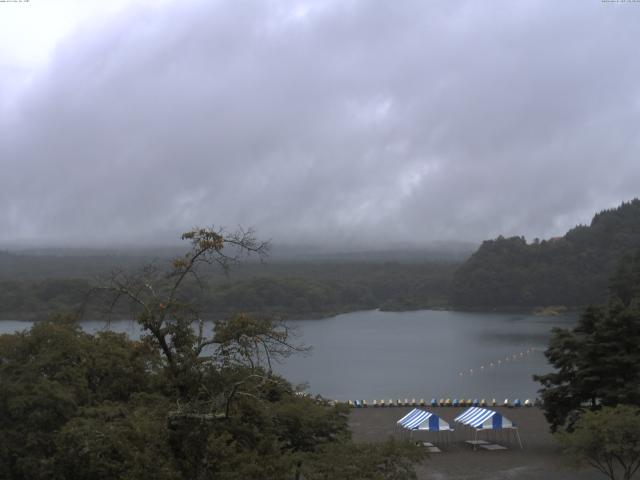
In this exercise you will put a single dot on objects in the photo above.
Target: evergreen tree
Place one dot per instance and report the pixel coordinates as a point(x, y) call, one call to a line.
point(572, 270)
point(596, 362)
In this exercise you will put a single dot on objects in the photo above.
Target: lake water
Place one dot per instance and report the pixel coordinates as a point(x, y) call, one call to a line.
point(422, 354)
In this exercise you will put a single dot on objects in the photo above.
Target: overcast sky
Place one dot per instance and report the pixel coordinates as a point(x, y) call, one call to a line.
point(345, 122)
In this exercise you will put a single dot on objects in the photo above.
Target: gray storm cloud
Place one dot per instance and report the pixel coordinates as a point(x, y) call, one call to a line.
point(341, 122)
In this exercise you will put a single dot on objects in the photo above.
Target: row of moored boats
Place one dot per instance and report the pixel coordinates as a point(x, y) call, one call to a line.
point(443, 402)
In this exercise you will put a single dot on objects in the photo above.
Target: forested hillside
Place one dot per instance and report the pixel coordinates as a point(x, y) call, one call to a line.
point(287, 289)
point(572, 270)
point(177, 403)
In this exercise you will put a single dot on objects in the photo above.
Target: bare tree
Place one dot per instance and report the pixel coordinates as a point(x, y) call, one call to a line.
point(170, 323)
point(255, 342)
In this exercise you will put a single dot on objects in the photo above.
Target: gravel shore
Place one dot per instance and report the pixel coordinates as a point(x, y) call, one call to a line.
point(540, 459)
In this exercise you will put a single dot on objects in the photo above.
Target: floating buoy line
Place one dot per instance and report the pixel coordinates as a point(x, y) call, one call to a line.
point(498, 363)
point(449, 402)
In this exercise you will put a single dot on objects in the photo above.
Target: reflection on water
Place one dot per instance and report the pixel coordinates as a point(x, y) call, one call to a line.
point(374, 354)
point(514, 338)
point(426, 353)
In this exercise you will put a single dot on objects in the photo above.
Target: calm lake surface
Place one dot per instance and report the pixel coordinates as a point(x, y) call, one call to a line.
point(422, 354)
point(373, 355)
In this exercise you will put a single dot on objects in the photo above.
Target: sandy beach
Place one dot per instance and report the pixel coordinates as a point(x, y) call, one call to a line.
point(539, 459)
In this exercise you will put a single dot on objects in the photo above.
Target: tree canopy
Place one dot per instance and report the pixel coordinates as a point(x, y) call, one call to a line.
point(176, 404)
point(597, 361)
point(302, 289)
point(572, 270)
point(608, 440)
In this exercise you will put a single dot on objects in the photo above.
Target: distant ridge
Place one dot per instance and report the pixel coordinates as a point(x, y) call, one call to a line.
point(572, 270)
point(449, 251)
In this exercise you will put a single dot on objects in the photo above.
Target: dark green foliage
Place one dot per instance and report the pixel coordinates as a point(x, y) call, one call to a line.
point(303, 427)
point(608, 440)
point(291, 290)
point(32, 299)
point(382, 461)
point(124, 440)
point(176, 404)
point(625, 283)
point(80, 406)
point(597, 361)
point(49, 376)
point(573, 270)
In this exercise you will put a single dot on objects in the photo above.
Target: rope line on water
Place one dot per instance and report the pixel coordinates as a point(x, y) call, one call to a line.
point(498, 363)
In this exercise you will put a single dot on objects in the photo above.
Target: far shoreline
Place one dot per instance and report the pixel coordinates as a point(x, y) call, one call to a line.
point(548, 311)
